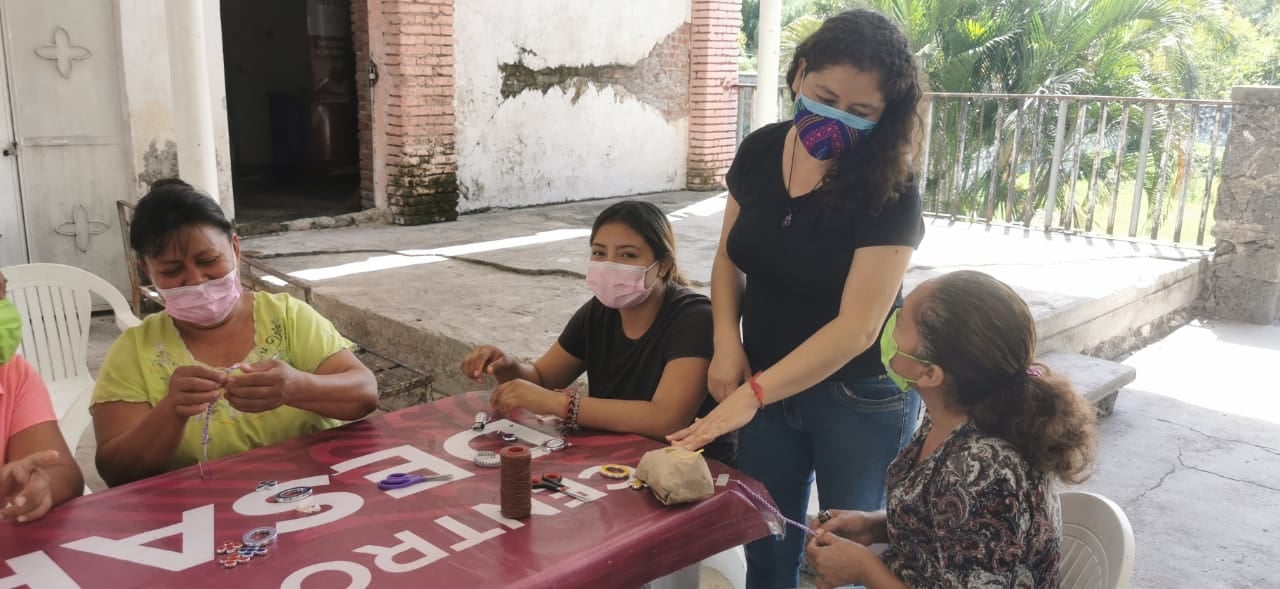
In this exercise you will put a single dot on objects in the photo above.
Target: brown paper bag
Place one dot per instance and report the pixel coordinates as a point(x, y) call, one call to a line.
point(676, 475)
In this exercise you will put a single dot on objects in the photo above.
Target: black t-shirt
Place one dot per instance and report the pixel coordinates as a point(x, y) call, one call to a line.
point(796, 253)
point(619, 367)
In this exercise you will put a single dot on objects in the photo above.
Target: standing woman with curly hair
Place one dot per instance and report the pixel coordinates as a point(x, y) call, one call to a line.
point(971, 499)
point(821, 223)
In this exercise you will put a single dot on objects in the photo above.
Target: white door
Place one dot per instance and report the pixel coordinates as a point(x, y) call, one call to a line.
point(64, 79)
point(13, 238)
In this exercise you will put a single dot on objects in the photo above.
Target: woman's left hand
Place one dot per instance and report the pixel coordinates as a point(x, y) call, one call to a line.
point(836, 561)
point(731, 414)
point(263, 386)
point(522, 394)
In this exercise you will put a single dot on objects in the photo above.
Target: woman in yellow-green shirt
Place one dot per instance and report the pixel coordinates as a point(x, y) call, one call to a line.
point(271, 366)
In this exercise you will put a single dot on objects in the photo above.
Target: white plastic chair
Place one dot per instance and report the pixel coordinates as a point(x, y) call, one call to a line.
point(1097, 542)
point(55, 305)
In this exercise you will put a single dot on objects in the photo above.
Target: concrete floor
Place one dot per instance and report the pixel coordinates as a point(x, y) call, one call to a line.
point(1192, 454)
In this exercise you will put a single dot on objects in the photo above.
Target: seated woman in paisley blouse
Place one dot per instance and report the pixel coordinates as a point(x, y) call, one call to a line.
point(971, 500)
point(260, 367)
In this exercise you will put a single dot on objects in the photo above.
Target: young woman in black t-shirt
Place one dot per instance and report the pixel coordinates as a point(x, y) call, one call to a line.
point(821, 223)
point(644, 340)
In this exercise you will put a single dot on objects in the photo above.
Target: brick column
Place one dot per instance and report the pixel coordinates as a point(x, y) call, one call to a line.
point(713, 101)
point(407, 155)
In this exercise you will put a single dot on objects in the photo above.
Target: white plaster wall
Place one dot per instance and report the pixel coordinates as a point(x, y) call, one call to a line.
point(148, 93)
point(537, 148)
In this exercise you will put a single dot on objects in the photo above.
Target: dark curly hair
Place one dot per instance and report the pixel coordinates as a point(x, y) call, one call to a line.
point(876, 170)
point(983, 336)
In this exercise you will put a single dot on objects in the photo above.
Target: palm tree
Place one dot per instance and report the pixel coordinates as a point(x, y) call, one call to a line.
point(1136, 48)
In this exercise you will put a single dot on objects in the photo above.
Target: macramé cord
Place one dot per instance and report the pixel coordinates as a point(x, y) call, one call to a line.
point(208, 416)
point(761, 501)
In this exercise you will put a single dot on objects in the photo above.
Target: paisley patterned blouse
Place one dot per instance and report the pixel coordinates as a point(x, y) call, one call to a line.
point(972, 514)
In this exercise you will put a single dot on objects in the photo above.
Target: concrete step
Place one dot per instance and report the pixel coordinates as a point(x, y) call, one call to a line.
point(1098, 380)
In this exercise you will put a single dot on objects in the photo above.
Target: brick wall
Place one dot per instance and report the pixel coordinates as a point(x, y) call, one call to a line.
point(407, 130)
point(360, 18)
point(713, 101)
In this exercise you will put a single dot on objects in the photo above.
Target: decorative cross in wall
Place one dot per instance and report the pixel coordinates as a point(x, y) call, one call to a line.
point(62, 52)
point(82, 228)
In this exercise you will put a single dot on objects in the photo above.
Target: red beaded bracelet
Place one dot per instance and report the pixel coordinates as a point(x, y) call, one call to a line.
point(757, 389)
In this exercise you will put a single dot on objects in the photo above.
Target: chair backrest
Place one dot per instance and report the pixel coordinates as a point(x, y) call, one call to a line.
point(1097, 542)
point(55, 304)
point(142, 295)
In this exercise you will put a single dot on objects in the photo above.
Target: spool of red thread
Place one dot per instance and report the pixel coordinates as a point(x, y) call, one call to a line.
point(515, 494)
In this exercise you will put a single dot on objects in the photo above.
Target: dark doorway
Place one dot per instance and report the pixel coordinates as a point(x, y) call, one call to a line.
point(291, 108)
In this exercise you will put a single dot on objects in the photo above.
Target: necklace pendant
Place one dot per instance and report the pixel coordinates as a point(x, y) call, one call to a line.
point(786, 221)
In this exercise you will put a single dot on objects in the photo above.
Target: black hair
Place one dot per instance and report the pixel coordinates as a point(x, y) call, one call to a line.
point(647, 220)
point(171, 207)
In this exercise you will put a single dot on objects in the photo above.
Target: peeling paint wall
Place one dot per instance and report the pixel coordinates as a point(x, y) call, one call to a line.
point(149, 100)
point(561, 100)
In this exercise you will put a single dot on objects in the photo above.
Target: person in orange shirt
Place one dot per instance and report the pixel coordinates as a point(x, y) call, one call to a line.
point(37, 470)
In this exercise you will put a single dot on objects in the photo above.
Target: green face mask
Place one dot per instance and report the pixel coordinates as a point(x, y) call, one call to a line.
point(10, 330)
point(889, 349)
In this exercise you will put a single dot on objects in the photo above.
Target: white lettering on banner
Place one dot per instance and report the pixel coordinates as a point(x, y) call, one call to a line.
point(197, 543)
point(360, 576)
point(470, 537)
point(414, 460)
point(36, 571)
point(341, 503)
point(385, 556)
point(459, 445)
point(494, 512)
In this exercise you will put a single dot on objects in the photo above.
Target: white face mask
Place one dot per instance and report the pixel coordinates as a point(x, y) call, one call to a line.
point(619, 286)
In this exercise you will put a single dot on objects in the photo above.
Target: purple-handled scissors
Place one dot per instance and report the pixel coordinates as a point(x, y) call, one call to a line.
point(400, 480)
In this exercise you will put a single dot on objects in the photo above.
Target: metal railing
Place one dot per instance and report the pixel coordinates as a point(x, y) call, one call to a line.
point(1141, 168)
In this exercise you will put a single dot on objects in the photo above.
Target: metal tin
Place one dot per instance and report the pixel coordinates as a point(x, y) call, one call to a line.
point(260, 536)
point(555, 444)
point(293, 494)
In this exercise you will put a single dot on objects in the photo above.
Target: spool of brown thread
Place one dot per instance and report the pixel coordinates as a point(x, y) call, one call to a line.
point(515, 494)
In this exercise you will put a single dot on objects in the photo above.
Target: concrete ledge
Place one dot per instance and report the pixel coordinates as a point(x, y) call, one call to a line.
point(1098, 380)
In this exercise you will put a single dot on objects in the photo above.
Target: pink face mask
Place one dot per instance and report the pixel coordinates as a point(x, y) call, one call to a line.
point(618, 286)
point(204, 304)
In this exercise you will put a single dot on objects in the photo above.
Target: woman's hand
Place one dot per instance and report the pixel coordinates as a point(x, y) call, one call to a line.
point(25, 490)
point(837, 561)
point(729, 369)
point(860, 526)
point(522, 394)
point(192, 388)
point(731, 414)
point(489, 360)
point(263, 386)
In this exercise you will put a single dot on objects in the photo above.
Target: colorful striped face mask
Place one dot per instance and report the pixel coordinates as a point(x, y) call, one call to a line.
point(828, 132)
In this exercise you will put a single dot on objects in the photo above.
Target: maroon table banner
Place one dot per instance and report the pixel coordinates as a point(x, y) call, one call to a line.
point(165, 531)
